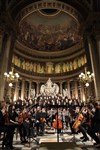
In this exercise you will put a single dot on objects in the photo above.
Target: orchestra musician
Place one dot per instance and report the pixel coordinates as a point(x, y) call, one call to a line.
point(57, 124)
point(13, 115)
point(72, 118)
point(91, 129)
point(87, 114)
point(24, 124)
point(66, 114)
point(95, 126)
point(6, 126)
point(50, 117)
point(79, 124)
point(40, 117)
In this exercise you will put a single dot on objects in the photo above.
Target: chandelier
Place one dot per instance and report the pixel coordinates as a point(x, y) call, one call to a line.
point(86, 77)
point(11, 77)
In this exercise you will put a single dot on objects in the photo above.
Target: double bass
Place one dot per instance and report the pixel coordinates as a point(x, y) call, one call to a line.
point(57, 124)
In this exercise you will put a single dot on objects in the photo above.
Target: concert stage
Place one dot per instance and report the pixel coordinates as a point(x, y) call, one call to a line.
point(49, 142)
point(59, 146)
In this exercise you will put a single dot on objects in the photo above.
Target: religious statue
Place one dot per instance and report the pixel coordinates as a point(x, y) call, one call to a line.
point(65, 92)
point(42, 89)
point(32, 93)
point(49, 88)
point(49, 66)
point(49, 83)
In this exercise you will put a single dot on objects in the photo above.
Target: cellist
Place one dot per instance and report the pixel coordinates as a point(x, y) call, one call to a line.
point(78, 124)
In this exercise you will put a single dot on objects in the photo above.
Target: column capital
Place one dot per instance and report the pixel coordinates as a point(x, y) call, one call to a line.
point(61, 82)
point(37, 82)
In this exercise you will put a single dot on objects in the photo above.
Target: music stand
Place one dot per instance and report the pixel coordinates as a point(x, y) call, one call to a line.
point(31, 136)
point(31, 130)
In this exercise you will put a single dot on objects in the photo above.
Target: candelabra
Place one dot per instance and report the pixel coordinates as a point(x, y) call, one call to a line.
point(86, 77)
point(11, 77)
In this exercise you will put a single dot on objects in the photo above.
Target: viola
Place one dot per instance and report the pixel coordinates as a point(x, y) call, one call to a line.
point(57, 124)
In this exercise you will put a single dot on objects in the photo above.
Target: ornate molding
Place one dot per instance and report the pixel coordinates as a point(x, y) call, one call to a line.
point(52, 5)
point(53, 59)
point(25, 50)
point(41, 77)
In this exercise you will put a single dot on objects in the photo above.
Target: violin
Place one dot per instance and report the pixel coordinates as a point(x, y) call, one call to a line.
point(43, 120)
point(57, 124)
point(22, 117)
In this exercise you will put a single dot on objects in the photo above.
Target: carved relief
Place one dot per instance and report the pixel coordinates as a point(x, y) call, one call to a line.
point(49, 67)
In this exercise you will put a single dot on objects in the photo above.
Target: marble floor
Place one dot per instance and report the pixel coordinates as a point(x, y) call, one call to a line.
point(51, 138)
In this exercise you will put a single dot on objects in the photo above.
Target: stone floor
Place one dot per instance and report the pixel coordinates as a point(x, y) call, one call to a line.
point(51, 138)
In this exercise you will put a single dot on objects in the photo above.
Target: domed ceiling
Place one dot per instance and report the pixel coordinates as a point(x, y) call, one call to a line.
point(49, 30)
point(48, 36)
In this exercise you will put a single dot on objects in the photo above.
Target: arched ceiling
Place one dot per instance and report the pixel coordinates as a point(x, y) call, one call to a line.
point(65, 17)
point(49, 26)
point(47, 29)
point(83, 6)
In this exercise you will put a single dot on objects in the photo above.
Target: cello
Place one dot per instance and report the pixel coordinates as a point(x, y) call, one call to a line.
point(78, 121)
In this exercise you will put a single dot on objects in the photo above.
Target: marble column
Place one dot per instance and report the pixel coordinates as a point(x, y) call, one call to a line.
point(92, 37)
point(9, 92)
point(83, 92)
point(4, 62)
point(61, 90)
point(98, 66)
point(68, 84)
point(16, 94)
point(76, 90)
point(37, 88)
point(30, 87)
point(95, 61)
point(23, 89)
point(1, 41)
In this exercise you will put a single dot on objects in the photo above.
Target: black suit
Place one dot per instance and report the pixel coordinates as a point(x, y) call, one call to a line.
point(8, 130)
point(95, 127)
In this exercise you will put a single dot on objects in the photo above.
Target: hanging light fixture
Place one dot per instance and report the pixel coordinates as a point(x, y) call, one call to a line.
point(11, 77)
point(86, 77)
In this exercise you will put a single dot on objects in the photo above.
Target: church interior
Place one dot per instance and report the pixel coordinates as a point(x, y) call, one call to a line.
point(49, 68)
